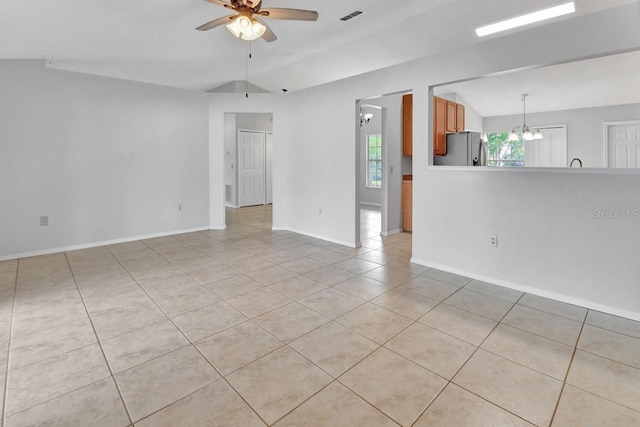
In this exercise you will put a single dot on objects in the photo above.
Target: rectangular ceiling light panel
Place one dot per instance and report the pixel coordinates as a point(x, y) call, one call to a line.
point(527, 19)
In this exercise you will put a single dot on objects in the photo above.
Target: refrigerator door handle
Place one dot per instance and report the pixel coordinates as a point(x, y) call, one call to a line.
point(481, 158)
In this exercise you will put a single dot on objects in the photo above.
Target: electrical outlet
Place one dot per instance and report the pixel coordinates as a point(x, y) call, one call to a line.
point(493, 241)
point(180, 208)
point(44, 221)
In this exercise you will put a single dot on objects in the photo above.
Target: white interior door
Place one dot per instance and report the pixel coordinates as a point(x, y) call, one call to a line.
point(251, 168)
point(269, 170)
point(624, 146)
point(549, 152)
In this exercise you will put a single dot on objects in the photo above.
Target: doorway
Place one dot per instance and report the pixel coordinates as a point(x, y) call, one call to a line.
point(372, 166)
point(248, 142)
point(388, 120)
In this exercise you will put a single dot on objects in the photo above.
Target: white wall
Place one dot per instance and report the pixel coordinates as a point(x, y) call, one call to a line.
point(473, 121)
point(255, 121)
point(585, 135)
point(105, 159)
point(231, 158)
point(544, 215)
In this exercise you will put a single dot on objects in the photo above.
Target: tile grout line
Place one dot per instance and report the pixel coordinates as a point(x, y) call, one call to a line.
point(634, 337)
point(223, 377)
point(5, 387)
point(415, 321)
point(516, 327)
point(77, 288)
point(450, 381)
point(247, 235)
point(98, 341)
point(526, 332)
point(286, 344)
point(334, 380)
point(610, 360)
point(383, 346)
point(192, 344)
point(566, 375)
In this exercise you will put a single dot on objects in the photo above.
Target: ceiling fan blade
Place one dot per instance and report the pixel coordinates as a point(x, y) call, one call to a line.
point(222, 3)
point(269, 35)
point(292, 14)
point(216, 23)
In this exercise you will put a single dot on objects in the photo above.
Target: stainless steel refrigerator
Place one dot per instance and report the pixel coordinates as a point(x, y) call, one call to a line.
point(463, 149)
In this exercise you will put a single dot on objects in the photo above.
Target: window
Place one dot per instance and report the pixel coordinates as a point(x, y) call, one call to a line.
point(504, 153)
point(374, 161)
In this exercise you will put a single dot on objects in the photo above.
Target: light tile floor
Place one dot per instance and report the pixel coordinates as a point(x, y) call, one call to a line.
point(247, 327)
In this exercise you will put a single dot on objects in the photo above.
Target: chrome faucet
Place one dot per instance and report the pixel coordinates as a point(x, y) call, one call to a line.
point(579, 161)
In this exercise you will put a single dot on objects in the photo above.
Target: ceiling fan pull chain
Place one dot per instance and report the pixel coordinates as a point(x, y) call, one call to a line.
point(246, 70)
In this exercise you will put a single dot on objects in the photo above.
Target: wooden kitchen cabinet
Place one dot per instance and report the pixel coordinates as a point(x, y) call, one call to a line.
point(452, 109)
point(439, 126)
point(407, 205)
point(448, 117)
point(459, 118)
point(407, 125)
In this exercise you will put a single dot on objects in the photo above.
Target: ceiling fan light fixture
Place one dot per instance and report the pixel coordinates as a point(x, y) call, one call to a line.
point(246, 28)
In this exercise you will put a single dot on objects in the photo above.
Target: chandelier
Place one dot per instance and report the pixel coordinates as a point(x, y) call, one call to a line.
point(527, 134)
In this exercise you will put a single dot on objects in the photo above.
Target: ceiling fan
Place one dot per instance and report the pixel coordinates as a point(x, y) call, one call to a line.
point(246, 23)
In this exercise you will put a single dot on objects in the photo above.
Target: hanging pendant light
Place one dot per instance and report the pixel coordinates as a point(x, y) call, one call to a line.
point(524, 130)
point(365, 118)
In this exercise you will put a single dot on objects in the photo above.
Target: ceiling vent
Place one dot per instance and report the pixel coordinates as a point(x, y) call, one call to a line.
point(351, 15)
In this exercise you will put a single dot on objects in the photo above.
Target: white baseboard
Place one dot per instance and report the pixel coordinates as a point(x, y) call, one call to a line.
point(315, 236)
point(96, 244)
point(391, 233)
point(534, 291)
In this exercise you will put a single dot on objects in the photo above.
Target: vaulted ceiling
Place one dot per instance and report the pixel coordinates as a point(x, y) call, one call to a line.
point(155, 41)
point(595, 82)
